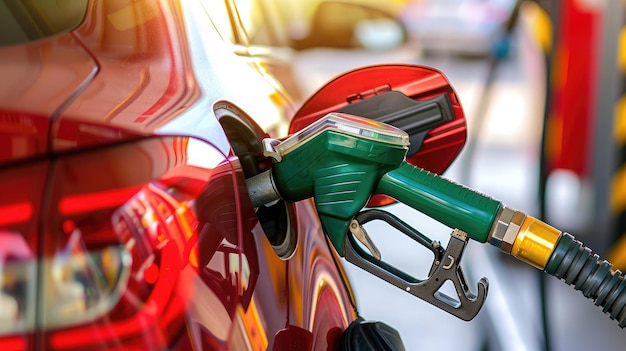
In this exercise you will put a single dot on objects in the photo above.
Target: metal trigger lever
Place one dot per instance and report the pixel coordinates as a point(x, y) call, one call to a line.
point(445, 266)
point(361, 235)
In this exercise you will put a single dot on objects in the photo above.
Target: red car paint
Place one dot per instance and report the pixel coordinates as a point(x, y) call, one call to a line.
point(136, 240)
point(442, 143)
point(125, 221)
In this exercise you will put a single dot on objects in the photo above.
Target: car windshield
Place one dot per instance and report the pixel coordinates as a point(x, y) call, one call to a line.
point(23, 21)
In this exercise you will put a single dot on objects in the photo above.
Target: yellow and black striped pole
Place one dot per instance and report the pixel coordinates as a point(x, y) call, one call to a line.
point(617, 252)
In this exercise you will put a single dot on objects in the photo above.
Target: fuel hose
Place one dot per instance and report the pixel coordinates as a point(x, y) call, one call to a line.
point(579, 267)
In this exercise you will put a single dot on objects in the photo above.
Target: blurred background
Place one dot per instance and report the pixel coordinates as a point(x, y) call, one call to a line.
point(541, 83)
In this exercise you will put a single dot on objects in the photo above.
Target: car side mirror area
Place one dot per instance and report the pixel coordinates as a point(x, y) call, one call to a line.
point(345, 25)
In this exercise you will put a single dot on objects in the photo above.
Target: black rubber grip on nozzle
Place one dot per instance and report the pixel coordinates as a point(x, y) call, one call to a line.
point(415, 117)
point(595, 278)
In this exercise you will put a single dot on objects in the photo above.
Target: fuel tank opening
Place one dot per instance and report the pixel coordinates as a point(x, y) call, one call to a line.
point(275, 219)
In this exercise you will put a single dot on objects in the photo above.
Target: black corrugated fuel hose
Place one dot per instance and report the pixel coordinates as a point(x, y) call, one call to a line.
point(586, 272)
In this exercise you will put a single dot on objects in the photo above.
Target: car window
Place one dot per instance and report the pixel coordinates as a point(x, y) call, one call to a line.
point(261, 22)
point(251, 17)
point(29, 20)
point(221, 19)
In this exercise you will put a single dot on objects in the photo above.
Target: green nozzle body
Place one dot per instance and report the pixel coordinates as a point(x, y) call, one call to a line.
point(450, 203)
point(340, 171)
point(342, 160)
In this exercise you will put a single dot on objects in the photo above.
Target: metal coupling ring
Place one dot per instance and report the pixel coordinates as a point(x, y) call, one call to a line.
point(506, 228)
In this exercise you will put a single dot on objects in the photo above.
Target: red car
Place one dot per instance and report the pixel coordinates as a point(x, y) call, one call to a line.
point(127, 130)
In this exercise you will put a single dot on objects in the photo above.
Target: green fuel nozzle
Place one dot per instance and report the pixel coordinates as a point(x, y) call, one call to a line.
point(337, 161)
point(342, 160)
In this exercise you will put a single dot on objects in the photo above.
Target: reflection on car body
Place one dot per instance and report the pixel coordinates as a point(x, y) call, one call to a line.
point(127, 133)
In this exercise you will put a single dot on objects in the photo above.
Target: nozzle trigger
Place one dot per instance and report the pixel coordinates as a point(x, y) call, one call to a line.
point(445, 267)
point(361, 235)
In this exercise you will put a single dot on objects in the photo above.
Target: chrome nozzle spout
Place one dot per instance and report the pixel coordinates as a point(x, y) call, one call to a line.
point(262, 189)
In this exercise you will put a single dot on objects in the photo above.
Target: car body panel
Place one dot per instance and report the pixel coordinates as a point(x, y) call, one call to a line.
point(152, 197)
point(131, 76)
point(39, 79)
point(138, 152)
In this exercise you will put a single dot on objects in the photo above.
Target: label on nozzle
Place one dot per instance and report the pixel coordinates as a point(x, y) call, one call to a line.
point(348, 124)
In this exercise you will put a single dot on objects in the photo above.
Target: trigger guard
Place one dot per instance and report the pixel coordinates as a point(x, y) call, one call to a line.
point(468, 304)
